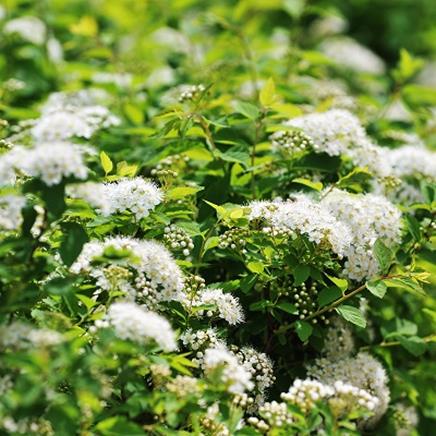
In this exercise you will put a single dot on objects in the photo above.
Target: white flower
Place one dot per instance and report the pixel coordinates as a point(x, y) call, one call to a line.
point(362, 371)
point(349, 53)
point(31, 29)
point(158, 278)
point(10, 211)
point(226, 305)
point(303, 215)
point(411, 160)
point(259, 365)
point(233, 374)
point(135, 195)
point(72, 122)
point(121, 80)
point(334, 132)
point(162, 76)
point(18, 335)
point(369, 217)
point(51, 162)
point(54, 50)
point(131, 322)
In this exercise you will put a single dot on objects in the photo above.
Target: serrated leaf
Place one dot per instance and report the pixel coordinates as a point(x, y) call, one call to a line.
point(377, 288)
point(352, 314)
point(304, 330)
point(106, 162)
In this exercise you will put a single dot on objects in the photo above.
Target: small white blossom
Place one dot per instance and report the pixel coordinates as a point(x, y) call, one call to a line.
point(158, 277)
point(31, 29)
point(233, 374)
point(51, 162)
point(348, 53)
point(226, 306)
point(10, 211)
point(131, 322)
point(135, 195)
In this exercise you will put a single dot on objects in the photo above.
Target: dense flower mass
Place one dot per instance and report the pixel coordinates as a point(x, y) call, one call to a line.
point(231, 372)
point(131, 322)
point(348, 53)
point(157, 276)
point(10, 211)
point(216, 219)
point(134, 195)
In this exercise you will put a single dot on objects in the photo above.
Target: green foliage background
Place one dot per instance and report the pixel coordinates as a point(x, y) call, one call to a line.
point(225, 134)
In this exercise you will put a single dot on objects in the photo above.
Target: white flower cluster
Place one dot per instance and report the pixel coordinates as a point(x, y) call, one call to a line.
point(259, 365)
point(131, 322)
point(334, 132)
point(135, 195)
point(342, 398)
point(29, 28)
point(18, 335)
point(410, 160)
point(121, 80)
point(369, 217)
point(338, 132)
point(51, 162)
point(275, 413)
point(291, 141)
point(350, 54)
point(232, 373)
point(362, 371)
point(191, 92)
point(70, 122)
point(222, 304)
point(406, 419)
point(338, 340)
point(158, 277)
point(199, 340)
point(183, 385)
point(10, 211)
point(303, 215)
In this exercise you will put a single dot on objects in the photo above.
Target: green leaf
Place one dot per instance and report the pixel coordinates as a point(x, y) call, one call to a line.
point(133, 113)
point(413, 226)
point(118, 425)
point(267, 96)
point(413, 344)
point(383, 254)
point(182, 191)
point(301, 274)
point(287, 307)
point(342, 284)
point(247, 109)
point(106, 162)
point(328, 295)
point(304, 330)
point(317, 186)
point(352, 314)
point(74, 238)
point(407, 66)
point(377, 288)
point(256, 267)
point(355, 179)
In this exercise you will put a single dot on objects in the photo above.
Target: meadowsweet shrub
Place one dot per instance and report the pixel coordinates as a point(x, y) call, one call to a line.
point(216, 218)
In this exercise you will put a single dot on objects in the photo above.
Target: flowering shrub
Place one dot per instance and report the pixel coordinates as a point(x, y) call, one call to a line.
point(215, 219)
